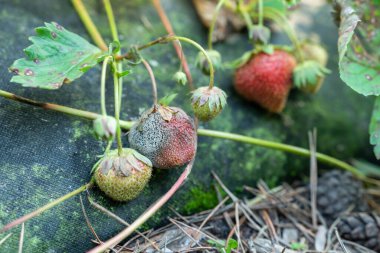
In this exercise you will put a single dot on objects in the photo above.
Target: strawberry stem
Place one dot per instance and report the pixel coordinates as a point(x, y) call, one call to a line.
point(89, 24)
point(103, 87)
point(117, 109)
point(195, 44)
point(168, 27)
point(118, 81)
point(205, 132)
point(111, 19)
point(45, 208)
point(261, 13)
point(213, 21)
point(282, 21)
point(152, 79)
point(240, 8)
point(147, 214)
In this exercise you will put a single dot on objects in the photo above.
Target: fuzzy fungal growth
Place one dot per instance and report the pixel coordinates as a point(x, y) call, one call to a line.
point(266, 79)
point(208, 102)
point(123, 177)
point(166, 135)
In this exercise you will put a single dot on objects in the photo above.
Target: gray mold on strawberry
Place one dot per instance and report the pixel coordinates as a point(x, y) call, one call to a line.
point(166, 135)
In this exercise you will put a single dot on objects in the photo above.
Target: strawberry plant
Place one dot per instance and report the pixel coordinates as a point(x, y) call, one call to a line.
point(164, 136)
point(301, 65)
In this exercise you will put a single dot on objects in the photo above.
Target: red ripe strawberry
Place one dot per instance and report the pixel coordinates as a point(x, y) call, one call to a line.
point(266, 79)
point(165, 135)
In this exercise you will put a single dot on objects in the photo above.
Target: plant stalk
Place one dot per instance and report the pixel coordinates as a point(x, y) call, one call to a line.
point(172, 38)
point(118, 81)
point(206, 132)
point(146, 215)
point(45, 208)
point(111, 19)
point(261, 12)
point(166, 23)
point(153, 81)
point(89, 24)
point(103, 87)
point(213, 21)
point(283, 22)
point(115, 37)
point(117, 110)
point(247, 18)
point(199, 47)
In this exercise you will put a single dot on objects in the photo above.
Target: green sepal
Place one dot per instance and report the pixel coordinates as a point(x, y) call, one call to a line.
point(239, 61)
point(308, 73)
point(165, 101)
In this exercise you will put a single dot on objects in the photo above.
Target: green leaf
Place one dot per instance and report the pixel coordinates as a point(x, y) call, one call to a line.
point(297, 246)
point(374, 128)
point(359, 62)
point(232, 244)
point(56, 56)
point(165, 101)
point(278, 5)
point(124, 73)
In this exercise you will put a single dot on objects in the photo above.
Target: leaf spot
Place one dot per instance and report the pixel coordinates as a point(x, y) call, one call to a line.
point(56, 85)
point(28, 72)
point(59, 27)
point(36, 61)
point(16, 71)
point(368, 77)
point(54, 35)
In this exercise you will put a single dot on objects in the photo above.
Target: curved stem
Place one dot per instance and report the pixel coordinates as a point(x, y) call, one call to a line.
point(282, 21)
point(152, 79)
point(89, 24)
point(246, 16)
point(166, 22)
point(45, 208)
point(206, 132)
point(195, 44)
point(213, 21)
point(103, 87)
point(146, 215)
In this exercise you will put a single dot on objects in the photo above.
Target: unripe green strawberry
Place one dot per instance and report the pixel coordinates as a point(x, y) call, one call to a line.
point(208, 103)
point(266, 79)
point(180, 78)
point(104, 127)
point(123, 177)
point(202, 62)
point(260, 34)
point(166, 135)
